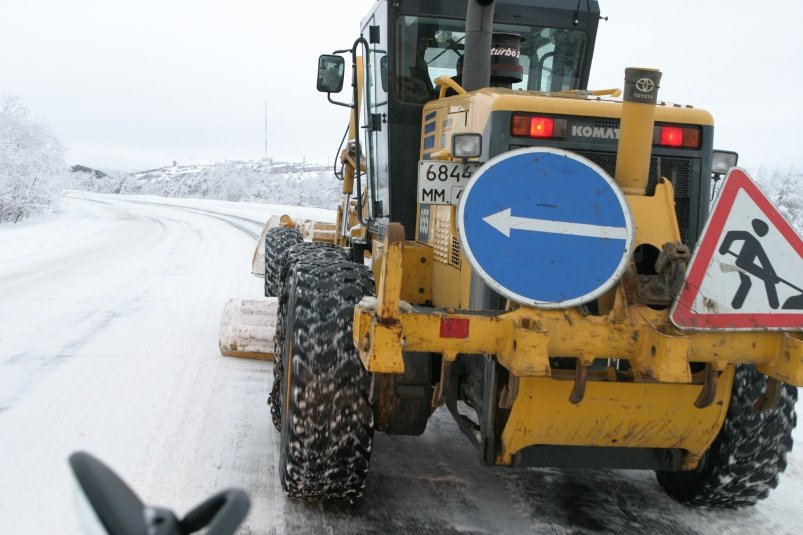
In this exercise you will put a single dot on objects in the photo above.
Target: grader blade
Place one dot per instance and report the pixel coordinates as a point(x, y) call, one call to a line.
point(247, 327)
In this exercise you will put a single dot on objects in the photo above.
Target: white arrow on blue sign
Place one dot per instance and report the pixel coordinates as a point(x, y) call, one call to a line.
point(545, 227)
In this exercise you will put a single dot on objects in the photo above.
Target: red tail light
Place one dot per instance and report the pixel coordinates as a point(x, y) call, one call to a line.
point(671, 136)
point(536, 126)
point(677, 136)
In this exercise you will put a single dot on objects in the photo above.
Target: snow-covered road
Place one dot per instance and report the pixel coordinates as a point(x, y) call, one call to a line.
point(109, 317)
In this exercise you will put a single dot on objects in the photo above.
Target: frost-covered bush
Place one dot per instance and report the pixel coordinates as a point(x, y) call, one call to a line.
point(785, 190)
point(31, 163)
point(275, 183)
point(228, 181)
point(89, 181)
point(300, 186)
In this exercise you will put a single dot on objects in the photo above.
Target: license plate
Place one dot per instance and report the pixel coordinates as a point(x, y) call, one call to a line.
point(443, 182)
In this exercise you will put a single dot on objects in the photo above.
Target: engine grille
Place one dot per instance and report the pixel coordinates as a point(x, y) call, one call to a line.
point(606, 123)
point(446, 248)
point(676, 170)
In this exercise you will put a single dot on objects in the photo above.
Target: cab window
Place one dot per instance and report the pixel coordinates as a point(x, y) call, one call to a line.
point(551, 58)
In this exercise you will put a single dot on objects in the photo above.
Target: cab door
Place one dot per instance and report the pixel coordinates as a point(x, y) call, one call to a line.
point(376, 113)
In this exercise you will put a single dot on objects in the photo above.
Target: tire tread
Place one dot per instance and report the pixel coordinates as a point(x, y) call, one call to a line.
point(328, 431)
point(748, 455)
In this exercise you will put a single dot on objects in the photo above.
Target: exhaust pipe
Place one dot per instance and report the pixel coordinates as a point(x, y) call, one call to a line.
point(636, 128)
point(477, 57)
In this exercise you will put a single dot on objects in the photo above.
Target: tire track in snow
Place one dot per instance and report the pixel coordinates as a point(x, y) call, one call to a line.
point(40, 365)
point(143, 380)
point(226, 218)
point(34, 367)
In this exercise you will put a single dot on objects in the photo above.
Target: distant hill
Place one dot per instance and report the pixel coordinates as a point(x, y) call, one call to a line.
point(293, 183)
point(304, 184)
point(84, 169)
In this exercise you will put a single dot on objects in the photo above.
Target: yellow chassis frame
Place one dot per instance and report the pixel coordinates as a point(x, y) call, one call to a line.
point(657, 409)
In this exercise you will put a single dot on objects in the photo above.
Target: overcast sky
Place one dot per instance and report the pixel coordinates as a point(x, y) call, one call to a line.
point(138, 84)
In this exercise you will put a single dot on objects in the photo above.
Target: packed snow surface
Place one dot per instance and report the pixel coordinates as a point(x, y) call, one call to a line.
point(109, 316)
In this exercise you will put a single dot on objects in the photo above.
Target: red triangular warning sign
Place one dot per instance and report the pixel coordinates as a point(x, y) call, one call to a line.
point(746, 272)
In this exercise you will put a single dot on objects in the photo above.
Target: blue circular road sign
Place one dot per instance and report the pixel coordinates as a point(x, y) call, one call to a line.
point(545, 227)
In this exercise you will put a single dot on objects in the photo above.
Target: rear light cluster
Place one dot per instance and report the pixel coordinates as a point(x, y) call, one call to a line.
point(542, 127)
point(677, 136)
point(537, 126)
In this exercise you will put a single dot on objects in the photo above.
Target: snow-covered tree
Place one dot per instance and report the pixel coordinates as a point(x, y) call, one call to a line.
point(785, 190)
point(229, 181)
point(31, 163)
point(275, 183)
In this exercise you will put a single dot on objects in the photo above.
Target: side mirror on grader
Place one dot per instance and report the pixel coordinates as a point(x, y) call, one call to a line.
point(513, 243)
point(331, 69)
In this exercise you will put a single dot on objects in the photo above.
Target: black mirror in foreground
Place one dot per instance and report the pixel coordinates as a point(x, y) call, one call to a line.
point(107, 504)
point(331, 69)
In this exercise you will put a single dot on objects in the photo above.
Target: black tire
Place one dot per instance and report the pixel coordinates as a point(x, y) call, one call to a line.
point(277, 241)
point(304, 252)
point(310, 254)
point(327, 423)
point(747, 456)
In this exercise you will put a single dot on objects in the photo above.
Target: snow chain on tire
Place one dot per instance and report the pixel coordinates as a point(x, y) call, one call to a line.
point(305, 252)
point(327, 429)
point(747, 456)
point(277, 241)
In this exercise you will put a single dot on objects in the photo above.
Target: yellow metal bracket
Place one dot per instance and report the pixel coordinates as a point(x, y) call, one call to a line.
point(384, 335)
point(614, 414)
point(446, 83)
point(664, 356)
point(416, 270)
point(613, 92)
point(787, 364)
point(523, 339)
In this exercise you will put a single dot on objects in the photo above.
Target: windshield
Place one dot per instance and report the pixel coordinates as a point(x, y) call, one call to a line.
point(551, 58)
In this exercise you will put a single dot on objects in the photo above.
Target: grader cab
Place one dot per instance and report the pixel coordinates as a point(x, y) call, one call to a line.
point(517, 248)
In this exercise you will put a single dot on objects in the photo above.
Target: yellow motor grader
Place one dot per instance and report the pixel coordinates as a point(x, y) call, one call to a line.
point(517, 248)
